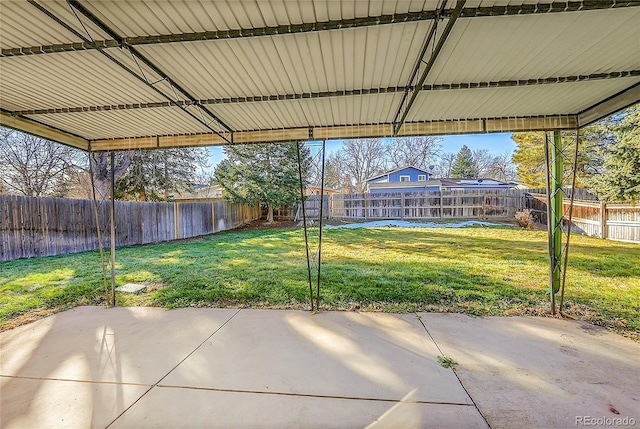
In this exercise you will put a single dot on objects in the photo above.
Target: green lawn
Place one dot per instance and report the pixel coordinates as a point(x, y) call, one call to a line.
point(480, 271)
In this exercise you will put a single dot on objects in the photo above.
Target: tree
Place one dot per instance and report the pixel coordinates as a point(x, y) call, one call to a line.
point(420, 152)
point(335, 173)
point(530, 158)
point(620, 178)
point(464, 166)
point(502, 168)
point(267, 173)
point(34, 166)
point(482, 161)
point(362, 159)
point(444, 166)
point(159, 174)
point(101, 166)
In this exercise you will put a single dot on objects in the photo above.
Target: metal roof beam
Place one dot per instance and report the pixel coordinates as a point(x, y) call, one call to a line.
point(464, 126)
point(613, 104)
point(524, 9)
point(346, 93)
point(407, 102)
point(17, 122)
point(80, 8)
point(114, 60)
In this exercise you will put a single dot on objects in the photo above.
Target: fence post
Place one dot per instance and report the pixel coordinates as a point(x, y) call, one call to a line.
point(603, 220)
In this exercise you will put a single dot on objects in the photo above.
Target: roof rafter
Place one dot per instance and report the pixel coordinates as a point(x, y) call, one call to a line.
point(407, 101)
point(524, 9)
point(115, 61)
point(17, 122)
point(613, 104)
point(354, 92)
point(137, 54)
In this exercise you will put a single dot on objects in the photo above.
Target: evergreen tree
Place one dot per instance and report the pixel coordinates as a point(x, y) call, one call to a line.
point(620, 178)
point(464, 166)
point(266, 173)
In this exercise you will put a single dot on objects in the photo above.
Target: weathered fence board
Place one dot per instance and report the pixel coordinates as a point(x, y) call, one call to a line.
point(613, 221)
point(232, 215)
point(312, 205)
point(31, 226)
point(428, 205)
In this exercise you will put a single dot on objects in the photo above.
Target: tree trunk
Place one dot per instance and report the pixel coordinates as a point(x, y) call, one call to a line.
point(102, 172)
point(270, 214)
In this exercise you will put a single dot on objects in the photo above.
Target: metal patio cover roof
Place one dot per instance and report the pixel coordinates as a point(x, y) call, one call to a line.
point(103, 75)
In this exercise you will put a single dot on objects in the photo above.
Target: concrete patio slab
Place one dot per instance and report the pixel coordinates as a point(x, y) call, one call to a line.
point(173, 408)
point(124, 344)
point(355, 355)
point(542, 372)
point(36, 403)
point(150, 367)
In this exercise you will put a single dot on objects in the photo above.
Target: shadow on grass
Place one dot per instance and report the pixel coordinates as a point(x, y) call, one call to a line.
point(596, 257)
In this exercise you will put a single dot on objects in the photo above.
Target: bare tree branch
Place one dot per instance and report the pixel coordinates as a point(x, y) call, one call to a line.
point(420, 152)
point(33, 166)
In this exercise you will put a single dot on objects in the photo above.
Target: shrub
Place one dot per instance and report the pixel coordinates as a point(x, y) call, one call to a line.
point(524, 219)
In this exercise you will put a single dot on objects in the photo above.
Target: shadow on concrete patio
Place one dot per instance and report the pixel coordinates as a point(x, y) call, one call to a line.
point(151, 367)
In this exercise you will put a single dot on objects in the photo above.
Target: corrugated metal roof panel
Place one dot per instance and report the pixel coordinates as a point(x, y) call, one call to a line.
point(22, 24)
point(147, 17)
point(479, 49)
point(565, 98)
point(312, 62)
point(539, 46)
point(69, 80)
point(124, 123)
point(18, 28)
point(367, 109)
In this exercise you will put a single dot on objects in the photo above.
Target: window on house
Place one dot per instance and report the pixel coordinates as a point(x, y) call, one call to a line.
point(422, 177)
point(405, 178)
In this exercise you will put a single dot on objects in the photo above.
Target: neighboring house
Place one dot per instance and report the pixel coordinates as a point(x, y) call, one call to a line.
point(451, 184)
point(412, 179)
point(201, 193)
point(405, 179)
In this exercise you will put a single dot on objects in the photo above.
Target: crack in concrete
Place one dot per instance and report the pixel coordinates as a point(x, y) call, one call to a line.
point(454, 371)
point(311, 395)
point(173, 369)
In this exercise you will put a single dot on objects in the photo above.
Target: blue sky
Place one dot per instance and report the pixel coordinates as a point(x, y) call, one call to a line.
point(495, 143)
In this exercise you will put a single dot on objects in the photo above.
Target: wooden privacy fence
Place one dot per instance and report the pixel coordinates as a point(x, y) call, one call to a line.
point(312, 205)
point(469, 204)
point(35, 226)
point(613, 221)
